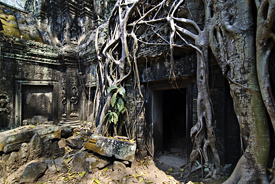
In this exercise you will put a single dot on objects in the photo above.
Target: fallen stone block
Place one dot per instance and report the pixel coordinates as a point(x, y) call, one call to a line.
point(10, 140)
point(111, 147)
point(12, 147)
point(32, 172)
point(60, 165)
point(118, 166)
point(51, 165)
point(2, 169)
point(36, 147)
point(79, 162)
point(66, 131)
point(94, 161)
point(75, 142)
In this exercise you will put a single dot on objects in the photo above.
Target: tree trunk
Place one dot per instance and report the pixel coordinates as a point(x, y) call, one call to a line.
point(232, 42)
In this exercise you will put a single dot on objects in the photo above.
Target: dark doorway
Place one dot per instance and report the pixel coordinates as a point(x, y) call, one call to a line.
point(37, 103)
point(174, 120)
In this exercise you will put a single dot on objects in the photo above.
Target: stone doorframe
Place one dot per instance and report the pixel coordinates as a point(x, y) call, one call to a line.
point(154, 89)
point(18, 98)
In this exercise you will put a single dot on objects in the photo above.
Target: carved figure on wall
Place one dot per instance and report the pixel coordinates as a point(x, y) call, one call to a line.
point(24, 153)
point(64, 101)
point(4, 100)
point(74, 101)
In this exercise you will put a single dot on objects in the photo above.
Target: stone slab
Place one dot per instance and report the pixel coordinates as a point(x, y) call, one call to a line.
point(25, 133)
point(111, 147)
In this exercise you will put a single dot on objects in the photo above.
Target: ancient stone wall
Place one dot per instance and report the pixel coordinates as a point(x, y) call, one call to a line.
point(49, 72)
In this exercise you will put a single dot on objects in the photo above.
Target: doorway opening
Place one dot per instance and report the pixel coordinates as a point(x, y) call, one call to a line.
point(174, 120)
point(170, 111)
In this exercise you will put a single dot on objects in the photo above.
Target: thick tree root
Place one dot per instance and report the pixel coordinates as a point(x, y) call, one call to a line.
point(246, 172)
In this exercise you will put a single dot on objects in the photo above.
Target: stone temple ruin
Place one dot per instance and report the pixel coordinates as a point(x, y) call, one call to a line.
point(48, 62)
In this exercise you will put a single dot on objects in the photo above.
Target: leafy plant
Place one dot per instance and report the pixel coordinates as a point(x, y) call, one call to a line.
point(117, 102)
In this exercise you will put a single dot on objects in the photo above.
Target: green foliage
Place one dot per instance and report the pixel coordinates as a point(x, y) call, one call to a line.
point(81, 174)
point(113, 117)
point(117, 102)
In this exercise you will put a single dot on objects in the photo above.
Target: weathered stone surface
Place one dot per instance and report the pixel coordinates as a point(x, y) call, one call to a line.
point(118, 166)
point(110, 147)
point(51, 148)
point(11, 139)
point(51, 165)
point(12, 147)
point(12, 162)
point(2, 169)
point(66, 131)
point(55, 150)
point(5, 157)
point(23, 153)
point(62, 143)
point(60, 165)
point(75, 142)
point(127, 163)
point(36, 147)
point(94, 161)
point(79, 162)
point(21, 134)
point(48, 131)
point(47, 147)
point(32, 172)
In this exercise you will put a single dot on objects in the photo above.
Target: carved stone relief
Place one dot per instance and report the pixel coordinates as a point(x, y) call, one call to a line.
point(74, 101)
point(4, 100)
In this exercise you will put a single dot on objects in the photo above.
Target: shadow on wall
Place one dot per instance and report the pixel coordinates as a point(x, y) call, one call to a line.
point(1, 26)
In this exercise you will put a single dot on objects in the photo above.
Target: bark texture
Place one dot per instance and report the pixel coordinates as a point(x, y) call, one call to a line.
point(232, 43)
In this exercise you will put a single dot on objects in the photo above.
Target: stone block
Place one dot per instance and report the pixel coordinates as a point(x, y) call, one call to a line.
point(36, 147)
point(60, 165)
point(32, 172)
point(51, 165)
point(94, 161)
point(79, 162)
point(48, 131)
point(2, 169)
point(118, 166)
point(66, 131)
point(111, 147)
point(75, 142)
point(14, 137)
point(12, 147)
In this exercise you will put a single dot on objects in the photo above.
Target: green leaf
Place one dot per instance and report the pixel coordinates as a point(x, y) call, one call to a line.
point(81, 174)
point(96, 181)
point(113, 100)
point(123, 110)
point(149, 181)
point(141, 180)
point(120, 104)
point(121, 91)
point(115, 118)
point(105, 169)
point(111, 117)
point(111, 88)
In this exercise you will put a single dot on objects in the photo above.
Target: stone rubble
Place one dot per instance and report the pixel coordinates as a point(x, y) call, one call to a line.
point(59, 147)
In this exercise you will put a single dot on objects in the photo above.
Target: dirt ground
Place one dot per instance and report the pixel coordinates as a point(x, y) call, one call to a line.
point(139, 171)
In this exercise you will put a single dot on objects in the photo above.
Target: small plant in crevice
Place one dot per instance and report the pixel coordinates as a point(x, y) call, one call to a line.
point(117, 103)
